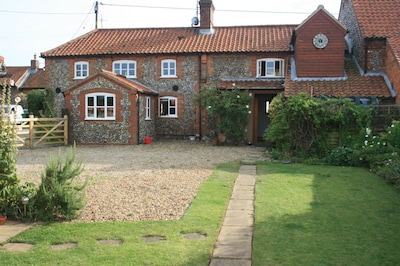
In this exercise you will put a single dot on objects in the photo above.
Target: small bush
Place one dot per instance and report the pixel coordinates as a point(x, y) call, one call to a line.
point(59, 196)
point(343, 156)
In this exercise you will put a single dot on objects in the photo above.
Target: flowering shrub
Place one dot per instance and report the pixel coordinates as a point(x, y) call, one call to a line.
point(381, 153)
point(229, 109)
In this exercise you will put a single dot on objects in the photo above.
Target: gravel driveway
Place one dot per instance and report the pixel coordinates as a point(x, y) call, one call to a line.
point(141, 182)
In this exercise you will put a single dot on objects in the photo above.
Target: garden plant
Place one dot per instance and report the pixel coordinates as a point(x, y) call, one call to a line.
point(228, 111)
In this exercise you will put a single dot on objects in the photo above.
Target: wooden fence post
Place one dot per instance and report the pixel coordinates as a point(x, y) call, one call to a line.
point(65, 130)
point(31, 124)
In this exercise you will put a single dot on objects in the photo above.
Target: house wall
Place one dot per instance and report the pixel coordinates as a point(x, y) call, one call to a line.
point(314, 62)
point(147, 127)
point(120, 131)
point(392, 71)
point(376, 54)
point(189, 67)
point(348, 18)
point(61, 72)
point(374, 59)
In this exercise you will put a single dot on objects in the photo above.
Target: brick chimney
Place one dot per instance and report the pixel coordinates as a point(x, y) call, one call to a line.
point(206, 17)
point(34, 64)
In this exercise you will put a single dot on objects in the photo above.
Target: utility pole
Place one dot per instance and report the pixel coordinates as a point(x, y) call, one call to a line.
point(96, 9)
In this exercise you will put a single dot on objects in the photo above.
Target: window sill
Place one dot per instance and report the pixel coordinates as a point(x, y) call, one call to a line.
point(79, 78)
point(270, 77)
point(168, 77)
point(99, 120)
point(168, 116)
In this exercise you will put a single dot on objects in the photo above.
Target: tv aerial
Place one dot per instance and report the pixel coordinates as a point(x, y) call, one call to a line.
point(195, 20)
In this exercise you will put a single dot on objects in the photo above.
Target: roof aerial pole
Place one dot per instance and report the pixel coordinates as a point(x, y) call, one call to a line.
point(96, 9)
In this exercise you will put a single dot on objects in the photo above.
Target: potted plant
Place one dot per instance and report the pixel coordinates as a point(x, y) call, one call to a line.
point(6, 191)
point(228, 111)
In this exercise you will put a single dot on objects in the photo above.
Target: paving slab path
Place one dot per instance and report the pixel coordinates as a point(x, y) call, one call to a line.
point(12, 228)
point(234, 243)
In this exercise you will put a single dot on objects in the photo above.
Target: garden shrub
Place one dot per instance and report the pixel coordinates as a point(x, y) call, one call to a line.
point(228, 109)
point(41, 103)
point(300, 125)
point(343, 156)
point(59, 196)
point(381, 153)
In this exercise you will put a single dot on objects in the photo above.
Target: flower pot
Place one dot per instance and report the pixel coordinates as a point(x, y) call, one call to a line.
point(147, 140)
point(215, 142)
point(3, 219)
point(221, 137)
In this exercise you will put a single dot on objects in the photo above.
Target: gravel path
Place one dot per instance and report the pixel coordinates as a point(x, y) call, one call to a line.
point(141, 182)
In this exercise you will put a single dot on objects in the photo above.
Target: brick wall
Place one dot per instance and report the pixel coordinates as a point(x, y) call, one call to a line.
point(393, 72)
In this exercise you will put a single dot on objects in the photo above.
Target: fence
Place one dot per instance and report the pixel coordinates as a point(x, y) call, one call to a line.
point(382, 118)
point(32, 132)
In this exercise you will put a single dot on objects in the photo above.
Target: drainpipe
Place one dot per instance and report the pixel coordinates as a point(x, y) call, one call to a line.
point(199, 84)
point(138, 117)
point(366, 56)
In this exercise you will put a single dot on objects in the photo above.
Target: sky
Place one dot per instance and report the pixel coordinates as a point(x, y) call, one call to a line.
point(34, 26)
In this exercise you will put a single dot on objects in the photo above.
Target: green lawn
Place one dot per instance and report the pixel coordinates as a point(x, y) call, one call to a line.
point(323, 215)
point(203, 216)
point(305, 215)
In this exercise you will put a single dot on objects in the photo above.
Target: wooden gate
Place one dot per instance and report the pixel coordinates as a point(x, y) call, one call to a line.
point(32, 132)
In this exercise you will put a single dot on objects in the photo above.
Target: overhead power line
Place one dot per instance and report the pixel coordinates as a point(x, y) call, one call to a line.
point(155, 7)
point(193, 9)
point(39, 13)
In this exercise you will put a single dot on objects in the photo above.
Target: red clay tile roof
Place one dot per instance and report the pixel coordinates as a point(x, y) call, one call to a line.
point(394, 43)
point(16, 73)
point(38, 80)
point(378, 18)
point(355, 85)
point(253, 83)
point(130, 83)
point(177, 40)
point(127, 83)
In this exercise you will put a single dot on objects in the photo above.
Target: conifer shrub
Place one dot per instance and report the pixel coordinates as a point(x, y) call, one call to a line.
point(60, 195)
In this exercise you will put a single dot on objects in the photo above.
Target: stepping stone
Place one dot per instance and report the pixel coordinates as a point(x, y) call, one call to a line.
point(194, 236)
point(154, 238)
point(17, 246)
point(62, 246)
point(115, 242)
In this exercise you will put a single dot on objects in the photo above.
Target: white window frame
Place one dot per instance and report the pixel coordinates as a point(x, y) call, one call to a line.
point(168, 107)
point(93, 112)
point(81, 70)
point(167, 69)
point(270, 67)
point(124, 68)
point(148, 108)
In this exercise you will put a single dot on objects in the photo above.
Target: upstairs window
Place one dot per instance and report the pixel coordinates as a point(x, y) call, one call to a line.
point(168, 68)
point(168, 107)
point(81, 70)
point(270, 67)
point(125, 68)
point(100, 106)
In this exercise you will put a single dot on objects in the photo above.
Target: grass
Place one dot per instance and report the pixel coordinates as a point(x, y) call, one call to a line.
point(203, 216)
point(322, 215)
point(305, 215)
